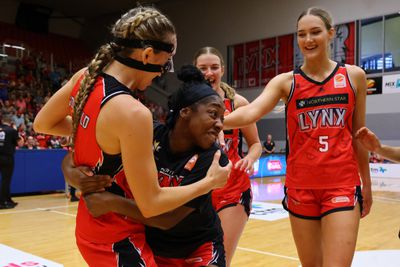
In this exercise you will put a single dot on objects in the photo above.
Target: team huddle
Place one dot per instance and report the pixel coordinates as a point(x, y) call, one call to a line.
point(179, 194)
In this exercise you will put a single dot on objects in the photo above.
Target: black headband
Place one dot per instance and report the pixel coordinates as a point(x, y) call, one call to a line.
point(193, 94)
point(137, 43)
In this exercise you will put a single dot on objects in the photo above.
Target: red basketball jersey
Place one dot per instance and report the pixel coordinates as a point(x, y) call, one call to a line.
point(238, 181)
point(233, 137)
point(110, 227)
point(319, 121)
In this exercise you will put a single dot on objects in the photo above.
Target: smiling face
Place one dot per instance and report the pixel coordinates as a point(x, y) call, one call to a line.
point(212, 69)
point(313, 37)
point(205, 120)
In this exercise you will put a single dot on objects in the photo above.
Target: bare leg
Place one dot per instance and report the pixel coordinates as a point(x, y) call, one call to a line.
point(233, 220)
point(307, 236)
point(339, 237)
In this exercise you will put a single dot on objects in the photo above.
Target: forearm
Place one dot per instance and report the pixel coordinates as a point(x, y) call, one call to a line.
point(169, 198)
point(241, 117)
point(363, 163)
point(164, 221)
point(62, 128)
point(255, 151)
point(388, 152)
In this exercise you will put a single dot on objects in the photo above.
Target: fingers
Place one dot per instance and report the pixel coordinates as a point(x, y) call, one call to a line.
point(86, 170)
point(362, 132)
point(217, 155)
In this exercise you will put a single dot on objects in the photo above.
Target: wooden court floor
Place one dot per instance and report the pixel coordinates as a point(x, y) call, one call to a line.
point(44, 225)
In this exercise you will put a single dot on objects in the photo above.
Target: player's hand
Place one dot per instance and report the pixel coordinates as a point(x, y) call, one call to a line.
point(367, 200)
point(245, 164)
point(368, 139)
point(218, 174)
point(99, 203)
point(83, 178)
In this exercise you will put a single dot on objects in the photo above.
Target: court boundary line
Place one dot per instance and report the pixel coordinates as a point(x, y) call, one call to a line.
point(268, 253)
point(386, 199)
point(38, 209)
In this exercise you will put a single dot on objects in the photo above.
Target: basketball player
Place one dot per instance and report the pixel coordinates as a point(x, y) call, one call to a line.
point(112, 133)
point(183, 149)
point(325, 106)
point(233, 201)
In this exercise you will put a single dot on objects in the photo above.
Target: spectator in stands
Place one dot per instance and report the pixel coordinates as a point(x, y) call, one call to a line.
point(30, 143)
point(269, 145)
point(18, 118)
point(53, 142)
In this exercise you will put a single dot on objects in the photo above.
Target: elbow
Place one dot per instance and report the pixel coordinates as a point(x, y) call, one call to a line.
point(38, 126)
point(148, 212)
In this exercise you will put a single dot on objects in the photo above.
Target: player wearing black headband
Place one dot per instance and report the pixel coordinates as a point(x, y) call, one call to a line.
point(183, 150)
point(112, 134)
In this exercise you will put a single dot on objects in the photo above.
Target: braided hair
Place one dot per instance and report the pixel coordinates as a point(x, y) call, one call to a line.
point(144, 23)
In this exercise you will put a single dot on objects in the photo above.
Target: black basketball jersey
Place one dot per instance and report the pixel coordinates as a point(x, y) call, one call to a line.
point(203, 224)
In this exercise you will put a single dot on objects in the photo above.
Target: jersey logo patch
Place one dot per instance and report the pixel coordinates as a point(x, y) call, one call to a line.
point(339, 81)
point(156, 146)
point(84, 120)
point(340, 199)
point(190, 164)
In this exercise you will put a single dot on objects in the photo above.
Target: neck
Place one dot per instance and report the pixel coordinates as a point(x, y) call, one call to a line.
point(220, 92)
point(178, 139)
point(126, 76)
point(317, 65)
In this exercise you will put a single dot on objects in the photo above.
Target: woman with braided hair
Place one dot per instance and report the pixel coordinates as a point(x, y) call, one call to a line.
point(112, 133)
point(233, 201)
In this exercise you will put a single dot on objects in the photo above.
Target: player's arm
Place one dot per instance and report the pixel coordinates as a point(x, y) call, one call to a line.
point(250, 134)
point(371, 142)
point(133, 128)
point(104, 202)
point(54, 118)
point(82, 177)
point(263, 104)
point(357, 76)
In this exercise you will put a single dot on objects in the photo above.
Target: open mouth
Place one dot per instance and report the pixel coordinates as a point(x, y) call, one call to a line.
point(211, 81)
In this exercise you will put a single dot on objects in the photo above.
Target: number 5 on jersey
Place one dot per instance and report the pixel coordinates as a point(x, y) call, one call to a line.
point(323, 140)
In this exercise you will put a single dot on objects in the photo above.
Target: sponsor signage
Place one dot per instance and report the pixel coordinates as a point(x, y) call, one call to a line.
point(374, 85)
point(267, 211)
point(270, 165)
point(10, 257)
point(384, 170)
point(391, 84)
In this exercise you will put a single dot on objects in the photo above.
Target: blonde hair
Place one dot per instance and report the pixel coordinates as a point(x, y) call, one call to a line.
point(144, 23)
point(321, 13)
point(228, 90)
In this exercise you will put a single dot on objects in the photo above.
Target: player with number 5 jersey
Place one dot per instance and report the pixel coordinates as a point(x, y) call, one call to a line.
point(325, 106)
point(319, 131)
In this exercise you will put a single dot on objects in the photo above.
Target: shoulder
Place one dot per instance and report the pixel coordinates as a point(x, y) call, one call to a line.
point(357, 76)
point(355, 72)
point(123, 111)
point(207, 156)
point(283, 80)
point(78, 75)
point(240, 101)
point(159, 129)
